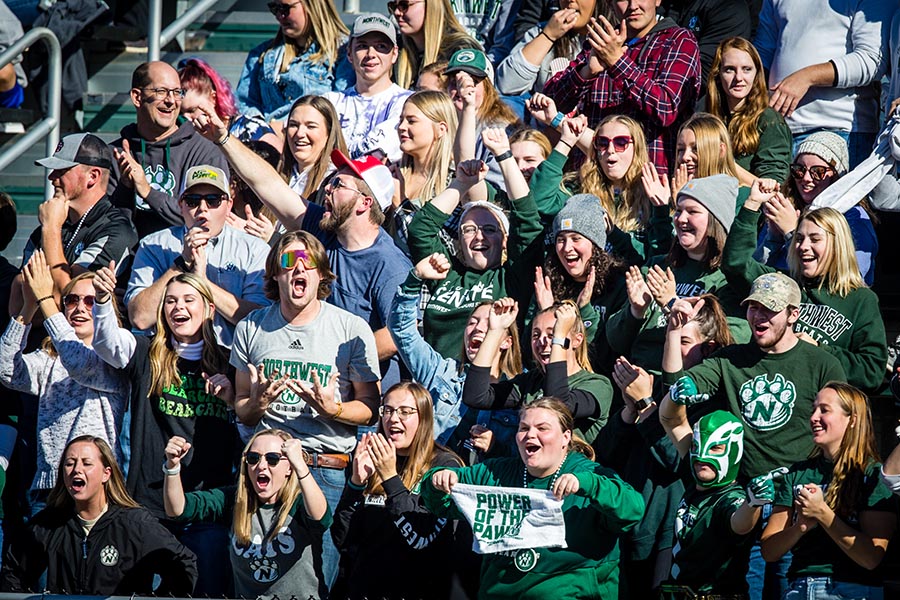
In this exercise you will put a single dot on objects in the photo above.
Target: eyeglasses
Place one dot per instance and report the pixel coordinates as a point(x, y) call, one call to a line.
point(619, 143)
point(818, 172)
point(212, 200)
point(290, 258)
point(162, 93)
point(403, 412)
point(488, 229)
point(281, 10)
point(71, 301)
point(272, 458)
point(337, 184)
point(402, 5)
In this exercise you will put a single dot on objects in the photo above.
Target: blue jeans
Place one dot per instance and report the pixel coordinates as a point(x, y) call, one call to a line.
point(825, 588)
point(211, 543)
point(767, 581)
point(332, 482)
point(859, 145)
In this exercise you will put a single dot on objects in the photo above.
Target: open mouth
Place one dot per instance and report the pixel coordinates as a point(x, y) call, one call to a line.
point(817, 428)
point(180, 319)
point(262, 481)
point(79, 319)
point(395, 432)
point(78, 484)
point(760, 329)
point(475, 343)
point(531, 449)
point(298, 286)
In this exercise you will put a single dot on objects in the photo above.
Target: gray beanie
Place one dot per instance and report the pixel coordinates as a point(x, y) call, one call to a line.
point(828, 146)
point(717, 193)
point(583, 214)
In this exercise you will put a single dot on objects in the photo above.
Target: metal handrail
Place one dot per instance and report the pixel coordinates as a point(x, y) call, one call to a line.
point(49, 125)
point(156, 39)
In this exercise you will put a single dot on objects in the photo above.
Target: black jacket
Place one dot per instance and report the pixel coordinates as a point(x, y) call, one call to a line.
point(120, 556)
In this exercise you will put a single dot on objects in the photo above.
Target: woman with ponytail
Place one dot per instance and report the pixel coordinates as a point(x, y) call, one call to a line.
point(597, 508)
point(831, 510)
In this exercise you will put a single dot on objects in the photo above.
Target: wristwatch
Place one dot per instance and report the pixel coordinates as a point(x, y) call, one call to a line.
point(182, 265)
point(564, 342)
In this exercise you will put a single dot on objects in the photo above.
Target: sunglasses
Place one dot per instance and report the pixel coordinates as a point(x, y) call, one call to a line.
point(71, 301)
point(281, 10)
point(338, 184)
point(272, 458)
point(403, 412)
point(290, 258)
point(402, 5)
point(619, 143)
point(212, 200)
point(818, 172)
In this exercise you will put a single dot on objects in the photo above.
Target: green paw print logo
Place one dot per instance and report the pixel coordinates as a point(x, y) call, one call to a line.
point(160, 178)
point(767, 405)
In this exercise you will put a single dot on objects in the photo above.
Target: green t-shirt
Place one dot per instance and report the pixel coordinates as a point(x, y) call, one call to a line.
point(773, 396)
point(709, 556)
point(816, 554)
point(773, 155)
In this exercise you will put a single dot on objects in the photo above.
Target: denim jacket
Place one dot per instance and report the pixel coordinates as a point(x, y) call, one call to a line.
point(441, 376)
point(263, 91)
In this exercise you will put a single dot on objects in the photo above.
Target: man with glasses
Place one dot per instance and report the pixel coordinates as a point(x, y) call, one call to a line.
point(307, 367)
point(370, 110)
point(153, 154)
point(229, 260)
point(80, 228)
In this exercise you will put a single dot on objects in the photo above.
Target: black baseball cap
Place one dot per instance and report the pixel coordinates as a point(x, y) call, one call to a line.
point(78, 149)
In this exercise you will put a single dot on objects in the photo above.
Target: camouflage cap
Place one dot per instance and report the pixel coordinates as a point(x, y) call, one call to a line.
point(775, 291)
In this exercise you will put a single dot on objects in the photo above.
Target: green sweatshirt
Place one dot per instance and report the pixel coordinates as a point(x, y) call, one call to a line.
point(849, 327)
point(773, 396)
point(643, 339)
point(816, 554)
point(453, 299)
point(773, 155)
point(596, 515)
point(635, 247)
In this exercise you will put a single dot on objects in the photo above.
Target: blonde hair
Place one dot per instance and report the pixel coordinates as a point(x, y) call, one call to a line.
point(527, 134)
point(421, 449)
point(711, 136)
point(113, 488)
point(840, 274)
point(163, 358)
point(857, 451)
point(632, 212)
point(443, 35)
point(566, 422)
point(510, 358)
point(581, 352)
point(437, 108)
point(246, 503)
point(323, 26)
point(47, 344)
point(322, 166)
point(742, 123)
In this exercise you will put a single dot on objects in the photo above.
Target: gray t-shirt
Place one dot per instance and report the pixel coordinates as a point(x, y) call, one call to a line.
point(335, 340)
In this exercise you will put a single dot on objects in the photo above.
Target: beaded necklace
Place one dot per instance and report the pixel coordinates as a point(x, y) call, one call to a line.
point(555, 475)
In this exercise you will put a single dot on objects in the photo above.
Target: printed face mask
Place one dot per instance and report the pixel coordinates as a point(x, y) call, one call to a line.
point(719, 428)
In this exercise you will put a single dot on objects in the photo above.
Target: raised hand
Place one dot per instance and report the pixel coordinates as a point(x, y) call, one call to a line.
point(761, 490)
point(53, 212)
point(542, 108)
point(465, 88)
point(363, 468)
point(481, 437)
point(607, 42)
point(635, 383)
point(470, 172)
point(503, 314)
point(176, 449)
point(495, 140)
point(37, 275)
point(572, 128)
point(683, 311)
point(656, 186)
point(639, 295)
point(264, 390)
point(587, 292)
point(682, 176)
point(781, 214)
point(131, 172)
point(433, 267)
point(560, 23)
point(685, 392)
point(105, 282)
point(319, 397)
point(543, 290)
point(759, 194)
point(220, 386)
point(209, 125)
point(384, 456)
point(661, 285)
point(565, 315)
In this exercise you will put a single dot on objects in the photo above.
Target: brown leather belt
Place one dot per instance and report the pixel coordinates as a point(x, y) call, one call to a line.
point(327, 461)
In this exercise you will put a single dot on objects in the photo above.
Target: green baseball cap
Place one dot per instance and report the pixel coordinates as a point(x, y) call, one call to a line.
point(775, 291)
point(470, 61)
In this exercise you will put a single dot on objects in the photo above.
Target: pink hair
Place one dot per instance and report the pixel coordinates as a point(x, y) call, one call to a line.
point(196, 74)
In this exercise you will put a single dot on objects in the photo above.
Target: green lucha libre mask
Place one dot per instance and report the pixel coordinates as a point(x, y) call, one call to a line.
point(718, 428)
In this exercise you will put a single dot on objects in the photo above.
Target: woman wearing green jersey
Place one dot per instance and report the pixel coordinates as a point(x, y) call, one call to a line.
point(831, 510)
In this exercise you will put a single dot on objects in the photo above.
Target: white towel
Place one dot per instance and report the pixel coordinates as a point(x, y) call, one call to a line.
point(511, 518)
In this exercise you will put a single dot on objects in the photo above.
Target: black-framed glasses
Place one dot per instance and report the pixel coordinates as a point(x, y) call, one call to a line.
point(272, 458)
point(817, 172)
point(402, 5)
point(192, 201)
point(488, 229)
point(281, 10)
point(403, 412)
point(290, 258)
point(162, 93)
point(619, 142)
point(71, 300)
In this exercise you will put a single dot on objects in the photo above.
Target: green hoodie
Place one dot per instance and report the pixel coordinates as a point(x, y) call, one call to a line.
point(454, 298)
point(848, 327)
point(596, 515)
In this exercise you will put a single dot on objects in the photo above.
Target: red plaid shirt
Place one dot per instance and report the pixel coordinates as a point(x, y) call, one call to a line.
point(656, 82)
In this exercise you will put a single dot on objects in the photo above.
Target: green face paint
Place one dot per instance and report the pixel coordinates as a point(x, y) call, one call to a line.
point(718, 443)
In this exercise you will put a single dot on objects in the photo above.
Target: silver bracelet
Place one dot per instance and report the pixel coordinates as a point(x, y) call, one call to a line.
point(171, 472)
